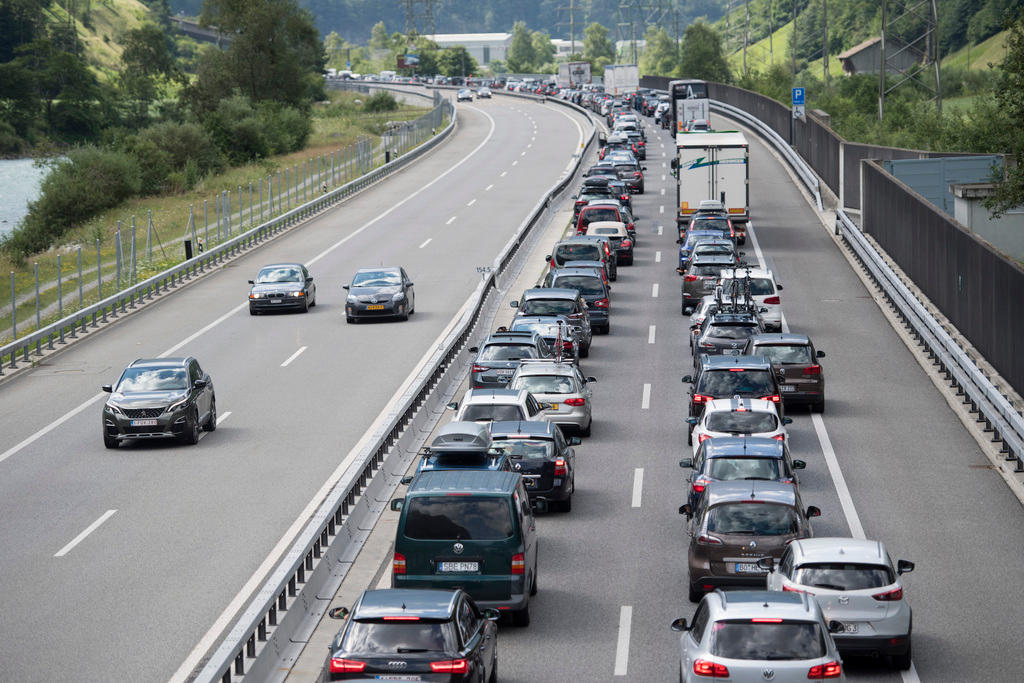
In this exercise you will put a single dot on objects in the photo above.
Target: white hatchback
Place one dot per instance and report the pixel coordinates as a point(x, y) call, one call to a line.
point(738, 417)
point(763, 289)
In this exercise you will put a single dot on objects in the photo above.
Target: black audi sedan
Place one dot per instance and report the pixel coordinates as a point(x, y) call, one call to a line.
point(160, 398)
point(282, 286)
point(379, 292)
point(413, 634)
point(543, 456)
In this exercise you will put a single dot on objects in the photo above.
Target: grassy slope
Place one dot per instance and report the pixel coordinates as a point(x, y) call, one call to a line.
point(108, 20)
point(988, 51)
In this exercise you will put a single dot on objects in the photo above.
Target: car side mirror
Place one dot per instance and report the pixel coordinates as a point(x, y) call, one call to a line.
point(345, 287)
point(787, 420)
point(686, 510)
point(904, 566)
point(575, 441)
point(743, 253)
point(767, 564)
point(107, 388)
point(199, 383)
point(252, 282)
point(687, 379)
point(813, 511)
point(309, 279)
point(799, 464)
point(406, 480)
point(591, 379)
point(779, 287)
point(679, 625)
point(454, 405)
point(513, 304)
point(397, 504)
point(643, 168)
point(691, 421)
point(679, 241)
point(686, 462)
point(338, 613)
point(409, 283)
point(819, 354)
point(491, 614)
point(474, 349)
point(835, 627)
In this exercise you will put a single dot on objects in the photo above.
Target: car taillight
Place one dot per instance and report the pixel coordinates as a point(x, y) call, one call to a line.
point(479, 368)
point(890, 596)
point(560, 469)
point(575, 401)
point(789, 589)
point(581, 202)
point(566, 345)
point(822, 671)
point(624, 197)
point(451, 666)
point(772, 300)
point(779, 437)
point(700, 398)
point(346, 666)
point(703, 437)
point(626, 244)
point(774, 398)
point(518, 564)
point(705, 667)
point(637, 174)
point(708, 540)
point(812, 370)
point(690, 278)
point(398, 564)
point(699, 484)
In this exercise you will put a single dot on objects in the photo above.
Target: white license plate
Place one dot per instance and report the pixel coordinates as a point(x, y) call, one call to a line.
point(850, 628)
point(787, 387)
point(731, 352)
point(457, 567)
point(506, 371)
point(748, 568)
point(275, 301)
point(396, 677)
point(143, 423)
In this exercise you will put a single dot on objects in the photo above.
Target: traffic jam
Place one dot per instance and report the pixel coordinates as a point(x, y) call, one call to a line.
point(771, 600)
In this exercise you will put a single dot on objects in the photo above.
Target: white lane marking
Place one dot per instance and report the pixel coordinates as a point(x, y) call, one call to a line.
point(533, 138)
point(657, 257)
point(845, 499)
point(661, 209)
point(757, 246)
point(663, 190)
point(638, 485)
point(622, 644)
point(663, 165)
point(471, 202)
point(488, 188)
point(426, 242)
point(522, 154)
point(910, 675)
point(88, 530)
point(650, 334)
point(514, 163)
point(53, 425)
point(661, 228)
point(663, 178)
point(645, 399)
point(528, 147)
point(223, 416)
point(654, 291)
point(450, 220)
point(294, 356)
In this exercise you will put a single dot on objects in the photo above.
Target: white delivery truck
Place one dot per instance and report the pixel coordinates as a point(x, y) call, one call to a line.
point(573, 74)
point(712, 166)
point(621, 79)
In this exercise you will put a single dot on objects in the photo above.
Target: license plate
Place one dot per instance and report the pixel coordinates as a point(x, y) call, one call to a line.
point(143, 423)
point(396, 677)
point(850, 628)
point(275, 301)
point(748, 568)
point(554, 406)
point(507, 371)
point(375, 307)
point(456, 567)
point(731, 352)
point(787, 387)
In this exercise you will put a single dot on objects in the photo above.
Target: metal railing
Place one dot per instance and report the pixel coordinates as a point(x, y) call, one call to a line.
point(272, 629)
point(110, 308)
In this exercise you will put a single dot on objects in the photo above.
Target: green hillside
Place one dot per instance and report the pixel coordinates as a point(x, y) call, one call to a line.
point(100, 28)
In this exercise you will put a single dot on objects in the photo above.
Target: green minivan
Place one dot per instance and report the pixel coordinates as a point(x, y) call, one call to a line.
point(469, 529)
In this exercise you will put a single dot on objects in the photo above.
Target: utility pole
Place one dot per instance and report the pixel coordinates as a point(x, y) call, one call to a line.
point(571, 9)
point(746, 33)
point(882, 66)
point(792, 39)
point(824, 47)
point(771, 32)
point(914, 57)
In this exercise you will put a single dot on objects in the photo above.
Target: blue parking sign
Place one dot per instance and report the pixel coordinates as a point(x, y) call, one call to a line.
point(798, 96)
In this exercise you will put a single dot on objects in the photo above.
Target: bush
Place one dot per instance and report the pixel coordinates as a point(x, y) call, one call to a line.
point(244, 133)
point(166, 148)
point(287, 129)
point(78, 187)
point(380, 102)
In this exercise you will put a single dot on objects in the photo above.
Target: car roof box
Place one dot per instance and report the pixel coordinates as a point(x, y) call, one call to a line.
point(461, 437)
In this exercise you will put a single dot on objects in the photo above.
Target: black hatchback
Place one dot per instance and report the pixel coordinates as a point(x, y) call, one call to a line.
point(543, 456)
point(411, 634)
point(728, 376)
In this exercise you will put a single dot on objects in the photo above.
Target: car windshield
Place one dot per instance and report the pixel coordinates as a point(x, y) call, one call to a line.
point(528, 449)
point(279, 274)
point(586, 284)
point(759, 286)
point(579, 251)
point(601, 214)
point(748, 639)
point(548, 307)
point(507, 352)
point(153, 379)
point(492, 413)
point(732, 330)
point(741, 423)
point(466, 518)
point(728, 469)
point(546, 384)
point(736, 381)
point(364, 638)
point(843, 576)
point(753, 519)
point(778, 353)
point(376, 278)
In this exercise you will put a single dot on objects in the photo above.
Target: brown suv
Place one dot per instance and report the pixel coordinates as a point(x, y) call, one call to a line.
point(801, 378)
point(738, 523)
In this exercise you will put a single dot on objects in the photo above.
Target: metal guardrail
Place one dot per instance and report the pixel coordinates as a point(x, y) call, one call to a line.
point(992, 407)
point(79, 322)
point(272, 629)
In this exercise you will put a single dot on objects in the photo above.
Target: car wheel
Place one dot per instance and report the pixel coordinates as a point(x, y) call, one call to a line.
point(689, 436)
point(521, 617)
point(349, 319)
point(695, 593)
point(109, 441)
point(614, 276)
point(533, 584)
point(607, 329)
point(404, 316)
point(192, 428)
point(313, 302)
point(566, 505)
point(211, 422)
point(305, 306)
point(586, 430)
point(819, 407)
point(903, 661)
point(585, 351)
point(494, 671)
point(252, 311)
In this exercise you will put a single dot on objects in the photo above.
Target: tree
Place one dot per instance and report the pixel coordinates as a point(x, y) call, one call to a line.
point(456, 61)
point(543, 49)
point(659, 56)
point(701, 54)
point(597, 45)
point(1009, 192)
point(148, 65)
point(521, 57)
point(379, 37)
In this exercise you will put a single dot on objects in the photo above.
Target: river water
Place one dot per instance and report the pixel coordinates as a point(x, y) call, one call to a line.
point(19, 184)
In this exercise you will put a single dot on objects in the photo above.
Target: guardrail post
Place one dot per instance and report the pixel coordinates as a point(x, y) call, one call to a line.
point(14, 315)
point(60, 295)
point(35, 272)
point(79, 277)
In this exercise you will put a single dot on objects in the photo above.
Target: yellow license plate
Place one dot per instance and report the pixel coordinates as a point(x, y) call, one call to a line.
point(554, 406)
point(375, 308)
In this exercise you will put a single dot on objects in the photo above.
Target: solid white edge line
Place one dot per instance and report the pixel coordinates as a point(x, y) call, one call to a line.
point(88, 530)
point(622, 644)
point(471, 202)
point(451, 220)
point(516, 162)
point(50, 427)
point(645, 400)
point(426, 242)
point(223, 416)
point(657, 257)
point(503, 173)
point(294, 356)
point(654, 291)
point(638, 485)
point(488, 188)
point(650, 334)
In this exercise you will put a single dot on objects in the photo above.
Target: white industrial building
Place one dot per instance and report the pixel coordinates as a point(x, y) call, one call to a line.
point(484, 47)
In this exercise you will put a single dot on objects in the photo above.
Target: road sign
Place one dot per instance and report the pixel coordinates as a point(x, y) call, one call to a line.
point(799, 112)
point(798, 96)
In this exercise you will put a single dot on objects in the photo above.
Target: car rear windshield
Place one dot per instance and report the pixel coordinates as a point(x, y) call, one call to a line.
point(778, 353)
point(595, 215)
point(706, 271)
point(842, 576)
point(368, 638)
point(742, 423)
point(546, 384)
point(732, 330)
point(578, 252)
point(753, 519)
point(713, 249)
point(613, 233)
point(153, 379)
point(729, 382)
point(759, 286)
point(585, 284)
point(467, 518)
point(528, 449)
point(729, 469)
point(625, 168)
point(747, 639)
point(507, 352)
point(711, 224)
point(547, 307)
point(493, 413)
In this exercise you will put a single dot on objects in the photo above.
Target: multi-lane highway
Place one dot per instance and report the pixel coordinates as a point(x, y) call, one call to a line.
point(118, 565)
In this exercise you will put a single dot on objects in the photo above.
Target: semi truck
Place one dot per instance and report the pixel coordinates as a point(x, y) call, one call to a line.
point(573, 74)
point(712, 166)
point(621, 79)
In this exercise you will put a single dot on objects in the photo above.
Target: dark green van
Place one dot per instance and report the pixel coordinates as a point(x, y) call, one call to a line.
point(469, 529)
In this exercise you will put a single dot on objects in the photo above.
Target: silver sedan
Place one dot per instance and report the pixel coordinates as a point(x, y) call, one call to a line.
point(562, 387)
